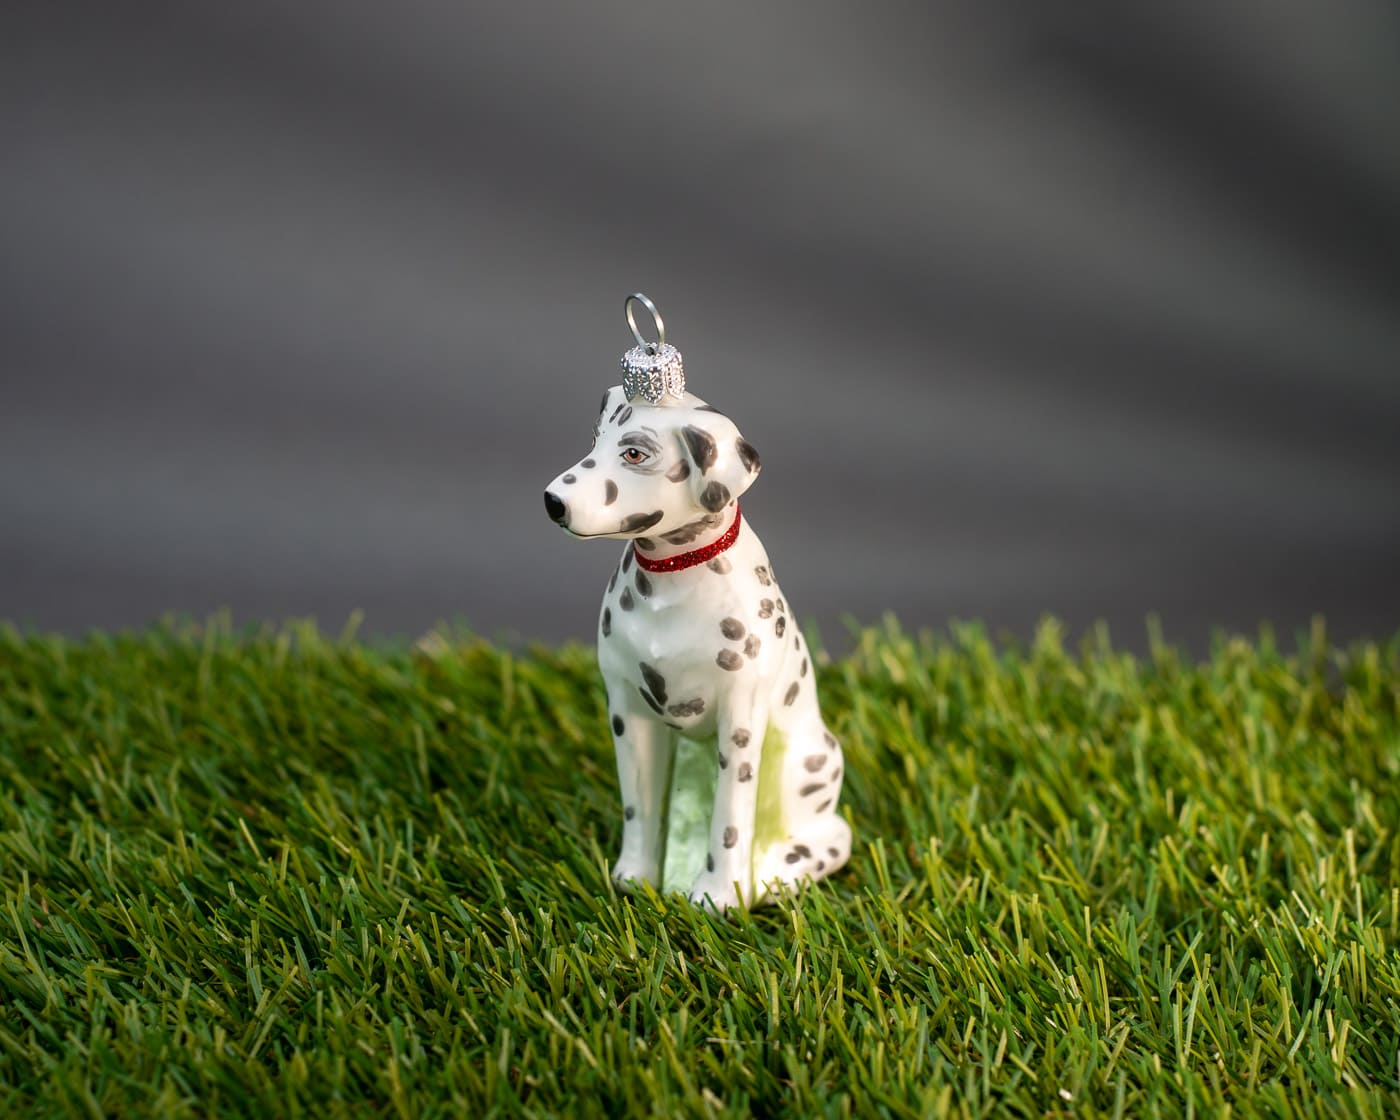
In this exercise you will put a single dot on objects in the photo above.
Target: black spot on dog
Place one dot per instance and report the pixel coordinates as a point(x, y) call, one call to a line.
point(751, 646)
point(731, 628)
point(808, 790)
point(643, 584)
point(606, 394)
point(709, 861)
point(802, 850)
point(765, 608)
point(618, 725)
point(628, 813)
point(830, 739)
point(745, 772)
point(627, 558)
point(655, 681)
point(791, 694)
point(609, 492)
point(762, 573)
point(822, 808)
point(780, 625)
point(708, 408)
point(615, 411)
point(720, 565)
point(651, 702)
point(835, 774)
point(646, 544)
point(612, 582)
point(680, 472)
point(634, 521)
point(607, 621)
point(568, 479)
point(588, 464)
point(728, 659)
point(821, 866)
point(687, 708)
point(702, 446)
point(715, 496)
point(813, 762)
point(740, 737)
point(625, 600)
point(781, 605)
point(748, 455)
point(723, 760)
point(625, 416)
point(832, 852)
point(791, 857)
point(692, 529)
point(802, 669)
point(731, 836)
point(796, 642)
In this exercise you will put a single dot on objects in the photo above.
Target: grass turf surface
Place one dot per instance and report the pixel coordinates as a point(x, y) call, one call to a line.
point(283, 874)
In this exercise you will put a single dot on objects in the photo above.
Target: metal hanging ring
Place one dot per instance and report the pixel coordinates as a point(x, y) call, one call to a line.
point(656, 316)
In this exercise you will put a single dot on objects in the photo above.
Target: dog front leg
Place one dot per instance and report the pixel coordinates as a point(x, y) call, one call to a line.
point(728, 876)
point(645, 756)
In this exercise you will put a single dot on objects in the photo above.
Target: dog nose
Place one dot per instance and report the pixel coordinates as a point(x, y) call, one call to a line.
point(554, 506)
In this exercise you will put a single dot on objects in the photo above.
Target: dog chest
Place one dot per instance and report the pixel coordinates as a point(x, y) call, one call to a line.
point(678, 644)
point(653, 657)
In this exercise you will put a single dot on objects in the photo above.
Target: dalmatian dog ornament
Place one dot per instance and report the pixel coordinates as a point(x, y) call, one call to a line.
point(729, 777)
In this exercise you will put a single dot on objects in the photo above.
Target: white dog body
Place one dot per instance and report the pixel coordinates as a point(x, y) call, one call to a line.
point(708, 652)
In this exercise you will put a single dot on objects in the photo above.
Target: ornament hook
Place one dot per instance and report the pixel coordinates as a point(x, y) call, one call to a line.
point(651, 347)
point(651, 370)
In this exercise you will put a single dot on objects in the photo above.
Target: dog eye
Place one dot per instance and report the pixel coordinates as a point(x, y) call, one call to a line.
point(635, 455)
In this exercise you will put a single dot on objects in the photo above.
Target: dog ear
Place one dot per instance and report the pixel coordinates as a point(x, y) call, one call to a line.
point(722, 463)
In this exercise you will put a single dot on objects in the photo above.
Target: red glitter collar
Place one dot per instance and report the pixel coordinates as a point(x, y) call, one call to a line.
point(690, 559)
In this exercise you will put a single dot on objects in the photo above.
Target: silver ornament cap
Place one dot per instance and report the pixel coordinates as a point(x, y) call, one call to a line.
point(651, 370)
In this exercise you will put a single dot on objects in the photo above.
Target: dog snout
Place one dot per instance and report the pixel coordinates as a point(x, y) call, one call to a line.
point(555, 507)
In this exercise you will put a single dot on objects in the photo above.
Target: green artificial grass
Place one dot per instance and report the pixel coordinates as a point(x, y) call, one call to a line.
point(280, 874)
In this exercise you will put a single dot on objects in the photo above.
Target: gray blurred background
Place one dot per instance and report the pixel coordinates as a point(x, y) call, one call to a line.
point(1029, 307)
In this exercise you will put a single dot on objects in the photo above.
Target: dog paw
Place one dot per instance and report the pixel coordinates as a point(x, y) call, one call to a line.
point(632, 875)
point(713, 893)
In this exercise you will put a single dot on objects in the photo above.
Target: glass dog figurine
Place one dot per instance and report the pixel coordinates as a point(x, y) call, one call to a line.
point(729, 777)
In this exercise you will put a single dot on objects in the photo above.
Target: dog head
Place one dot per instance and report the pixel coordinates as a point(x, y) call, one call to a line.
point(663, 471)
